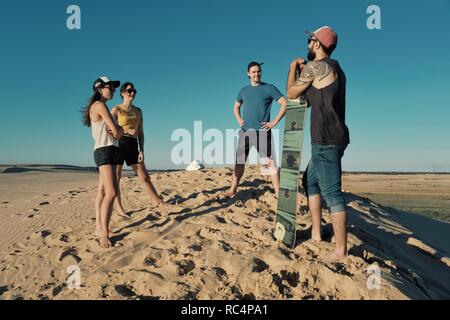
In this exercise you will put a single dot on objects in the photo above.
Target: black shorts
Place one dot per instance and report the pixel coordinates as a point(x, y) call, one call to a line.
point(129, 152)
point(107, 156)
point(260, 139)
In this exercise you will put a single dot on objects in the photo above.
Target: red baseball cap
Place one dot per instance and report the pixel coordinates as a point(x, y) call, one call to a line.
point(326, 35)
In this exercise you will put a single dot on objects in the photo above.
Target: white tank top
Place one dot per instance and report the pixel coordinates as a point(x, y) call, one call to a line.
point(101, 137)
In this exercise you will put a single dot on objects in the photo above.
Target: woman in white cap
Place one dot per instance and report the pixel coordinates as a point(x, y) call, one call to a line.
point(106, 153)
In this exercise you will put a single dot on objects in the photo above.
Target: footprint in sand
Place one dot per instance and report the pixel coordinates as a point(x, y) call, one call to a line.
point(221, 220)
point(3, 289)
point(56, 290)
point(220, 273)
point(64, 238)
point(340, 268)
point(259, 265)
point(149, 261)
point(125, 291)
point(287, 254)
point(208, 233)
point(43, 288)
point(285, 281)
point(45, 233)
point(185, 266)
point(226, 246)
point(34, 210)
point(37, 238)
point(292, 278)
point(196, 247)
point(60, 238)
point(31, 213)
point(70, 252)
point(157, 259)
point(237, 292)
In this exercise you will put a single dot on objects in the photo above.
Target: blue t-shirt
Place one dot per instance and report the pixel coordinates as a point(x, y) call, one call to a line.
point(255, 104)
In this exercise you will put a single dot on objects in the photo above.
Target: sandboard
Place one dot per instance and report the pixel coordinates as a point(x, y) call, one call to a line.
point(285, 229)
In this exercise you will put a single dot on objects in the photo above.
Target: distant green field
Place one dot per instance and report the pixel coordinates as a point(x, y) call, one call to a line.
point(432, 207)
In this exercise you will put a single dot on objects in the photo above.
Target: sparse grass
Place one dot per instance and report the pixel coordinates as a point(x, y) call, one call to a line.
point(437, 207)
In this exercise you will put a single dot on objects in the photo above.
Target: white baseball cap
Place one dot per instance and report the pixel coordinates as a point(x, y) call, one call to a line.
point(100, 82)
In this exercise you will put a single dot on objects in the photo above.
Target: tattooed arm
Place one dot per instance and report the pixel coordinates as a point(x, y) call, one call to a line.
point(318, 72)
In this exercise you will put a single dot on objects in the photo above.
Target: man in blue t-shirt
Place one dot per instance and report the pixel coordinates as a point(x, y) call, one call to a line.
point(255, 100)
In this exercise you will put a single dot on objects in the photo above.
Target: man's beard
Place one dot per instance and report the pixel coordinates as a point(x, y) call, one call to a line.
point(311, 55)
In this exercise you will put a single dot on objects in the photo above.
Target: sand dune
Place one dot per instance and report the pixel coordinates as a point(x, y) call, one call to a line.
point(207, 249)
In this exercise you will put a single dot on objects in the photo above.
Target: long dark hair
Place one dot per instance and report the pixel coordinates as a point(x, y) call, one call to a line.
point(87, 109)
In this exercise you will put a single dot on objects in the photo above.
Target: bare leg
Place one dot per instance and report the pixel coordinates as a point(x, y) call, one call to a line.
point(339, 222)
point(149, 188)
point(237, 176)
point(146, 182)
point(274, 177)
point(108, 178)
point(98, 203)
point(316, 215)
point(118, 201)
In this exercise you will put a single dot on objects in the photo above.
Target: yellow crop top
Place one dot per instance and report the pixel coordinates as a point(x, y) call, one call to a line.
point(128, 118)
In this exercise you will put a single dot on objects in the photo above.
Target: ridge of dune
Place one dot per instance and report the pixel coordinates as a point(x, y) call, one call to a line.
point(210, 249)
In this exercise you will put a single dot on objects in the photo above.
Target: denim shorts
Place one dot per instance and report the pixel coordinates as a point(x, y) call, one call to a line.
point(323, 175)
point(109, 155)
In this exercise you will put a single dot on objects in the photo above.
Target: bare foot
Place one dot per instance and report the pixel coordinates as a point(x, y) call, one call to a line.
point(104, 242)
point(227, 194)
point(331, 257)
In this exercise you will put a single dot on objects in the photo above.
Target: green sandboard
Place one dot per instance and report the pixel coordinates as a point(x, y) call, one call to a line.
point(285, 228)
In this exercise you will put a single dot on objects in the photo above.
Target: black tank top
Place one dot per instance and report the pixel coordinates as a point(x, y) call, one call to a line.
point(328, 110)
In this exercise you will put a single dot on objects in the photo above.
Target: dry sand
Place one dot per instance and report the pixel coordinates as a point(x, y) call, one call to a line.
point(207, 249)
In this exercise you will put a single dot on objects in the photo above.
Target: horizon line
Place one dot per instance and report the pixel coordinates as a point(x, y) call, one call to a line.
point(221, 166)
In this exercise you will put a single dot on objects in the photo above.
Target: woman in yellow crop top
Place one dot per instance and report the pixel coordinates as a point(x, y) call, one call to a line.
point(130, 119)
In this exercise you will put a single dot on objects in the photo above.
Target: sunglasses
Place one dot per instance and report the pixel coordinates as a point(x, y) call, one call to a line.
point(311, 39)
point(130, 91)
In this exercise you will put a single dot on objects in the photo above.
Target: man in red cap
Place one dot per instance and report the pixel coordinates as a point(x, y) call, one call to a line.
point(324, 82)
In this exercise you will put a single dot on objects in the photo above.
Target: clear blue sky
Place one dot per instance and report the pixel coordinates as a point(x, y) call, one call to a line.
point(188, 60)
